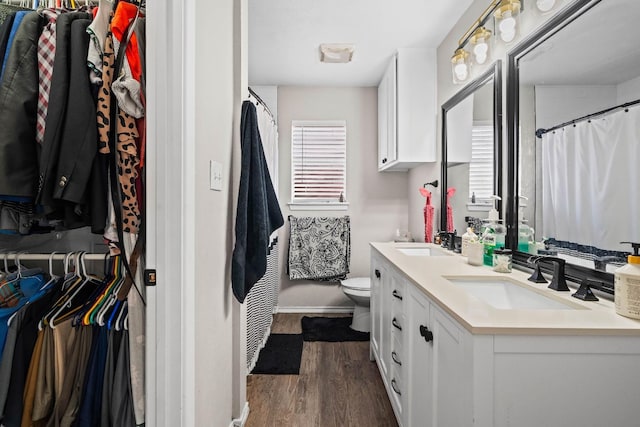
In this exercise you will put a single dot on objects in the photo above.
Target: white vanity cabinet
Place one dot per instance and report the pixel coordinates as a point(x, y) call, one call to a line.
point(407, 110)
point(477, 366)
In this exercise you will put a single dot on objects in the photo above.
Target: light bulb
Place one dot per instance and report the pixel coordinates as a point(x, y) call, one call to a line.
point(545, 5)
point(507, 27)
point(461, 71)
point(480, 51)
point(508, 36)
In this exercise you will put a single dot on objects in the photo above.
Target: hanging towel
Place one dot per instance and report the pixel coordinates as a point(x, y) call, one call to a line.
point(450, 192)
point(319, 248)
point(258, 214)
point(428, 216)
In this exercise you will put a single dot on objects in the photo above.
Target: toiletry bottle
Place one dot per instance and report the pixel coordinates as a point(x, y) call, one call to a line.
point(493, 235)
point(467, 238)
point(627, 285)
point(524, 231)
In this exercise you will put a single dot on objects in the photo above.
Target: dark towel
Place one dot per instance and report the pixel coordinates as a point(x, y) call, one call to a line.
point(258, 214)
point(319, 248)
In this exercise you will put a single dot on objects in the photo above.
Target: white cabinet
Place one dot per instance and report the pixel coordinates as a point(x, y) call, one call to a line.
point(388, 330)
point(407, 110)
point(437, 384)
point(437, 373)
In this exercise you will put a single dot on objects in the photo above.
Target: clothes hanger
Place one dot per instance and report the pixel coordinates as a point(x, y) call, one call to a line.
point(68, 278)
point(121, 316)
point(104, 302)
point(81, 287)
point(84, 316)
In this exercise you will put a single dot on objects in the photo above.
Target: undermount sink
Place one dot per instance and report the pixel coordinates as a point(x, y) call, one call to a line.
point(505, 294)
point(422, 251)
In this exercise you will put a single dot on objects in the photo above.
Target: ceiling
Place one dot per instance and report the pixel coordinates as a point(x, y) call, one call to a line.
point(601, 47)
point(284, 37)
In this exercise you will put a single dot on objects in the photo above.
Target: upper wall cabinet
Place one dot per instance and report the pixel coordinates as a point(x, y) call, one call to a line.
point(407, 111)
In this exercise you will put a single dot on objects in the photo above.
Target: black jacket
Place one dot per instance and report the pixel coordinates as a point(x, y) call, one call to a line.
point(18, 104)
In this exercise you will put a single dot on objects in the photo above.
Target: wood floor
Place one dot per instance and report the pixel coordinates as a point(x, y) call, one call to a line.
point(337, 387)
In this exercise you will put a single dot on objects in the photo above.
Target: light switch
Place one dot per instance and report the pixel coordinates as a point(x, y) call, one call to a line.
point(215, 175)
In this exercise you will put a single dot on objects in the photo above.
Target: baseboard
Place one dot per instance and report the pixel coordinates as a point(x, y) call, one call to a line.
point(240, 422)
point(312, 309)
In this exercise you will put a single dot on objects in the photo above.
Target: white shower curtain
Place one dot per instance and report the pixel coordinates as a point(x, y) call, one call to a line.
point(591, 181)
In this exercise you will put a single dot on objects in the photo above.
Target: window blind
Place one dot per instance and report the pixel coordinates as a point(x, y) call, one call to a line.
point(318, 161)
point(481, 165)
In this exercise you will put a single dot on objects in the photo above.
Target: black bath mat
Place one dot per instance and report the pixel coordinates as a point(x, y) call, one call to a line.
point(333, 329)
point(280, 356)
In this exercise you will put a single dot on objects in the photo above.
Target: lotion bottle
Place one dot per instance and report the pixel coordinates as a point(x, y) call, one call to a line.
point(524, 231)
point(467, 238)
point(627, 286)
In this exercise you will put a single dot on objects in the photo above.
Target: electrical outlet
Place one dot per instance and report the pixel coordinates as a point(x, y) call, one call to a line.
point(215, 175)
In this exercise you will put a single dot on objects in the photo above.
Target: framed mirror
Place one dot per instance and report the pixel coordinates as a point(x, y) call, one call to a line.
point(573, 104)
point(472, 152)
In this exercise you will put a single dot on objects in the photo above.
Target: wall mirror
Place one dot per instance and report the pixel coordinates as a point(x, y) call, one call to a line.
point(573, 107)
point(471, 151)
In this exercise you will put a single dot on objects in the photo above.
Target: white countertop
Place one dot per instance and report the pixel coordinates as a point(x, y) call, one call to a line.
point(429, 274)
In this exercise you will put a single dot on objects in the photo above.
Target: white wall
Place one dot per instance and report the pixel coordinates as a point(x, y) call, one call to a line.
point(559, 104)
point(530, 20)
point(377, 201)
point(629, 91)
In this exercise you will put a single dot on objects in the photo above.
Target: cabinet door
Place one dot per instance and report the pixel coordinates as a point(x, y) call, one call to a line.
point(383, 107)
point(418, 363)
point(392, 111)
point(376, 314)
point(387, 117)
point(451, 388)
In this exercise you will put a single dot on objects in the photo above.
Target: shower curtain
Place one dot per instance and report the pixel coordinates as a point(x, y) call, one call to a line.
point(581, 166)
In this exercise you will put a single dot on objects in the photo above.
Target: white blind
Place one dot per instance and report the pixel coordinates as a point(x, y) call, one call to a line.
point(481, 166)
point(318, 161)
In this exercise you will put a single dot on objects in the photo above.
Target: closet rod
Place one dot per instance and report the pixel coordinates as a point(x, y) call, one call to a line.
point(257, 97)
point(541, 131)
point(24, 256)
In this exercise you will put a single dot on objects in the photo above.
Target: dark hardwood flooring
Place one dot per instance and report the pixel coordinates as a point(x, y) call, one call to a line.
point(337, 387)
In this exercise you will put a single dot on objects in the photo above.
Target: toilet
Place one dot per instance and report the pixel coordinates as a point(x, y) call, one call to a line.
point(358, 289)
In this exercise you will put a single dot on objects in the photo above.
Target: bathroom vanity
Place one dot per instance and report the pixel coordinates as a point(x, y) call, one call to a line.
point(459, 345)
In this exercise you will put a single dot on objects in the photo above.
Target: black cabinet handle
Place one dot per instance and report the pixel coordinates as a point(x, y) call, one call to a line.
point(395, 323)
point(396, 294)
point(384, 160)
point(394, 386)
point(426, 333)
point(394, 357)
point(377, 273)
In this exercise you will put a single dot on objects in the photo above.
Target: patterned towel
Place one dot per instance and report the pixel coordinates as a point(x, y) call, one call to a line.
point(319, 248)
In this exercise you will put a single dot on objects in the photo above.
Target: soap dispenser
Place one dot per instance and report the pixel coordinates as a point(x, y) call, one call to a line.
point(494, 233)
point(525, 233)
point(627, 285)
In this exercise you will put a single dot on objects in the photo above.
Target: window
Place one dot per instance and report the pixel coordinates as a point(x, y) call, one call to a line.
point(481, 166)
point(318, 162)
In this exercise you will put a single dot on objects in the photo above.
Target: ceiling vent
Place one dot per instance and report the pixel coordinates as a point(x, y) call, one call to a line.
point(336, 53)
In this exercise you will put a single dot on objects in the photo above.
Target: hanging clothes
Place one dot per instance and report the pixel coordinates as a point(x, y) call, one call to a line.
point(450, 226)
point(428, 216)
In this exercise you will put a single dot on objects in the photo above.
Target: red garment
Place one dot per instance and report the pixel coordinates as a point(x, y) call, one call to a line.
point(450, 192)
point(428, 216)
point(125, 13)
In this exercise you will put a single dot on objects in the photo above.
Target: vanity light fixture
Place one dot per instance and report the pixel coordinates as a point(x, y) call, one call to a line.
point(480, 41)
point(336, 52)
point(506, 16)
point(460, 66)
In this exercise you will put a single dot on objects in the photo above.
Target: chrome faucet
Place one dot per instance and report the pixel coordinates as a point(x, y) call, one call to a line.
point(558, 281)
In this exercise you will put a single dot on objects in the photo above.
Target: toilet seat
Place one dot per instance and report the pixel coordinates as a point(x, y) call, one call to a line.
point(357, 283)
